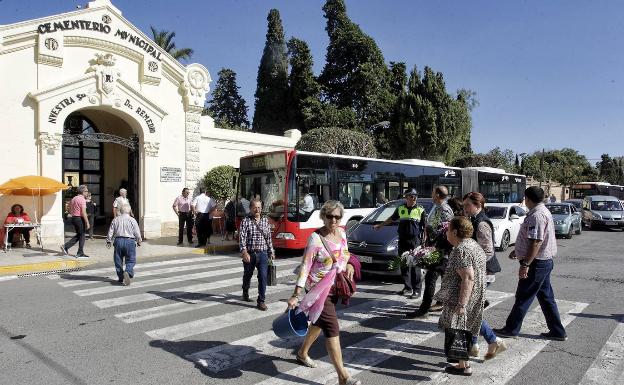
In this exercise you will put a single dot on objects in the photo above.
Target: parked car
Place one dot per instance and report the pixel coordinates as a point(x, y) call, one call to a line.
point(375, 248)
point(506, 218)
point(567, 219)
point(602, 210)
point(578, 204)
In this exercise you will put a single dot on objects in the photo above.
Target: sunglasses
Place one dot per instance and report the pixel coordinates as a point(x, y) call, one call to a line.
point(336, 217)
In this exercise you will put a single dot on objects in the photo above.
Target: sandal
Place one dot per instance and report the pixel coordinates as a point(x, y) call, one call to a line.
point(352, 381)
point(500, 347)
point(452, 369)
point(306, 361)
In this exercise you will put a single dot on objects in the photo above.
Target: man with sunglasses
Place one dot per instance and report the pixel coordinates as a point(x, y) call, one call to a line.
point(412, 221)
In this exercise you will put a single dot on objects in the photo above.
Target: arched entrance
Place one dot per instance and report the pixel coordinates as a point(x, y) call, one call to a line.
point(100, 150)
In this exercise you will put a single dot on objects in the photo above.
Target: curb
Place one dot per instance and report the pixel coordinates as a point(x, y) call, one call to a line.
point(42, 266)
point(213, 249)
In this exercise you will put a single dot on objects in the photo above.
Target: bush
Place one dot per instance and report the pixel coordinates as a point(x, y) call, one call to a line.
point(218, 182)
point(339, 141)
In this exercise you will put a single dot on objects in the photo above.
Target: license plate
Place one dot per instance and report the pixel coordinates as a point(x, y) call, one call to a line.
point(610, 223)
point(365, 259)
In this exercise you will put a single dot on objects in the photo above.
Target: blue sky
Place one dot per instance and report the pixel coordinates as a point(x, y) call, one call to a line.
point(546, 73)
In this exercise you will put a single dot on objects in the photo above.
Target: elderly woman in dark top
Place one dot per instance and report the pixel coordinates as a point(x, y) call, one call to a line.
point(474, 204)
point(463, 288)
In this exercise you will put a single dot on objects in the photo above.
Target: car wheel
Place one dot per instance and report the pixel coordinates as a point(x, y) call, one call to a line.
point(569, 235)
point(580, 229)
point(351, 223)
point(505, 241)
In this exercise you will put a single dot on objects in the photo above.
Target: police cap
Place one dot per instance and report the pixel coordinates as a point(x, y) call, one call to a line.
point(411, 192)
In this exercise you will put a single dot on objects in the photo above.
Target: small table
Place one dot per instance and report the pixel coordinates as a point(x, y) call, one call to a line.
point(10, 226)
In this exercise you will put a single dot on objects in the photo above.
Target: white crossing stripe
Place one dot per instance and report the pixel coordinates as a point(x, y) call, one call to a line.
point(140, 266)
point(226, 356)
point(608, 367)
point(372, 351)
point(8, 278)
point(195, 327)
point(162, 281)
point(195, 288)
point(194, 304)
point(177, 269)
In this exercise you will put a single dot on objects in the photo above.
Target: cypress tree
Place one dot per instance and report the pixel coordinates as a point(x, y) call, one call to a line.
point(303, 89)
point(271, 92)
point(227, 107)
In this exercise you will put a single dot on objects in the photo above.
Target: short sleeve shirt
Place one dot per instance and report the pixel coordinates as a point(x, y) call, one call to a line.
point(183, 204)
point(120, 201)
point(76, 205)
point(538, 225)
point(410, 229)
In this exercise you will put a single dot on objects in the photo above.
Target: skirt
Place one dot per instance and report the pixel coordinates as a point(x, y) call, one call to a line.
point(328, 320)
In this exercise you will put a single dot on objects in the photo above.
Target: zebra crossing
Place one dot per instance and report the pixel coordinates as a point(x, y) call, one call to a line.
point(198, 299)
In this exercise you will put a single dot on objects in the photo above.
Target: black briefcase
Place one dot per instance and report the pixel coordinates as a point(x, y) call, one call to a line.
point(272, 274)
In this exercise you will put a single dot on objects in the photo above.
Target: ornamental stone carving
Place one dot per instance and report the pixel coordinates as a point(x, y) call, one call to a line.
point(151, 148)
point(107, 75)
point(50, 141)
point(195, 86)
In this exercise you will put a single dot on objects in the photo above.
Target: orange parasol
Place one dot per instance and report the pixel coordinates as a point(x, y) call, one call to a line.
point(31, 185)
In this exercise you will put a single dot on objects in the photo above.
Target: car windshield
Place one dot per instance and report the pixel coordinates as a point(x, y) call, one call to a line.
point(577, 204)
point(494, 212)
point(558, 209)
point(606, 206)
point(382, 213)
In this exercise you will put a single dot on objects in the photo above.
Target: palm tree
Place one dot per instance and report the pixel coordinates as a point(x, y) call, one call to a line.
point(164, 39)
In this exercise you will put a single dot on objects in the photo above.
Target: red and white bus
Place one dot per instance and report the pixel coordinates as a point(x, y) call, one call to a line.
point(293, 185)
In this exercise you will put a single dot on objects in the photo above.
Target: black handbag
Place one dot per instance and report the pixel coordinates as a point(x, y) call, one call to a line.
point(456, 344)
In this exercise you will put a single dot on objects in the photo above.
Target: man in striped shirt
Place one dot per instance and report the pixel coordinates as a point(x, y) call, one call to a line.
point(256, 248)
point(125, 232)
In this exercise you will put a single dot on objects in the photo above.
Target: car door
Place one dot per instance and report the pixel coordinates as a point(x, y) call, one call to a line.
point(576, 217)
point(515, 223)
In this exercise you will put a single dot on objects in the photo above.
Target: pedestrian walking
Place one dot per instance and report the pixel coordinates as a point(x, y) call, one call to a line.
point(121, 200)
point(125, 233)
point(440, 214)
point(535, 248)
point(182, 208)
point(256, 248)
point(203, 207)
point(483, 233)
point(317, 275)
point(462, 291)
point(230, 218)
point(80, 221)
point(412, 221)
point(91, 209)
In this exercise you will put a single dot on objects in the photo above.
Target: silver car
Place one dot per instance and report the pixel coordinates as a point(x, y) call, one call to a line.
point(602, 210)
point(567, 219)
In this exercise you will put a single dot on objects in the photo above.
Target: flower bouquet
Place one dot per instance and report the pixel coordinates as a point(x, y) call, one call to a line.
point(420, 256)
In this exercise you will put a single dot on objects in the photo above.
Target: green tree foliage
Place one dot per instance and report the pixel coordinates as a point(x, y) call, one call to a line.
point(355, 75)
point(218, 182)
point(338, 141)
point(494, 158)
point(272, 88)
point(428, 122)
point(227, 107)
point(565, 166)
point(319, 114)
point(611, 169)
point(164, 39)
point(303, 91)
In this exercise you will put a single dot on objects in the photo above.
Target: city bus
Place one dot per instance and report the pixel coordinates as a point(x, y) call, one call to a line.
point(583, 189)
point(293, 185)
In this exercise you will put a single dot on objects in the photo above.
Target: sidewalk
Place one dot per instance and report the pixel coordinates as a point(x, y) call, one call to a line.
point(23, 261)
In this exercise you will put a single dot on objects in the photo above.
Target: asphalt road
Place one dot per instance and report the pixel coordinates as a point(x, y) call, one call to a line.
point(180, 322)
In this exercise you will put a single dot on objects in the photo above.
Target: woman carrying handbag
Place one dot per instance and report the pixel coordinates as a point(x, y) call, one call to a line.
point(325, 257)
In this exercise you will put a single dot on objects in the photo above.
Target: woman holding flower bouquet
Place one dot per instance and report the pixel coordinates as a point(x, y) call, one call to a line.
point(463, 291)
point(325, 256)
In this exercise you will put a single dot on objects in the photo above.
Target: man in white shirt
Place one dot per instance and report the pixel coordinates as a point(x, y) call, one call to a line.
point(307, 204)
point(203, 207)
point(120, 201)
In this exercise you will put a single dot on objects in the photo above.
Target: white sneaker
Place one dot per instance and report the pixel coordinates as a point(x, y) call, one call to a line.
point(474, 351)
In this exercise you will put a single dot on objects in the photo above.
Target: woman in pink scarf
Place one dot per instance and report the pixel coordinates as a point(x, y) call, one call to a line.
point(317, 275)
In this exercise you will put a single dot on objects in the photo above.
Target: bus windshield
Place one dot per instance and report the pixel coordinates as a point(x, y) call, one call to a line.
point(263, 177)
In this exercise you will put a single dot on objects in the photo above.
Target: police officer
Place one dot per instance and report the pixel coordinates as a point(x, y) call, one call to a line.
point(412, 221)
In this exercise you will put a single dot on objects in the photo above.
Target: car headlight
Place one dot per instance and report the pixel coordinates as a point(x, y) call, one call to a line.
point(289, 236)
point(596, 216)
point(393, 245)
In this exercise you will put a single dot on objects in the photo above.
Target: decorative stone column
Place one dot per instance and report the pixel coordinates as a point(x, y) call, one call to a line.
point(51, 208)
point(151, 169)
point(195, 86)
